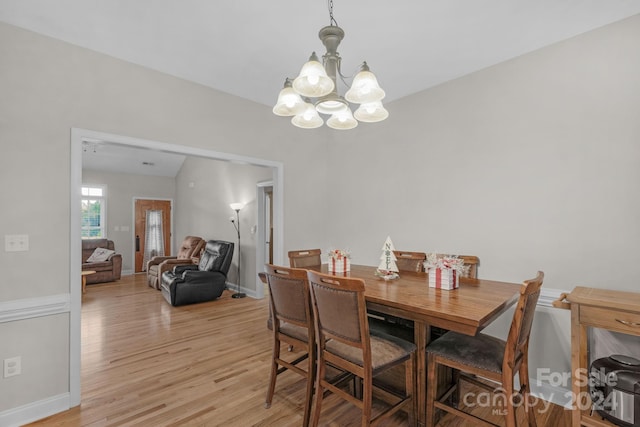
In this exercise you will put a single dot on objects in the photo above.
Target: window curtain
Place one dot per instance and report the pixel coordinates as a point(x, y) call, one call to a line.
point(154, 236)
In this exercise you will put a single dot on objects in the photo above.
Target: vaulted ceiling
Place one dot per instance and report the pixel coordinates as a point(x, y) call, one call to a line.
point(247, 47)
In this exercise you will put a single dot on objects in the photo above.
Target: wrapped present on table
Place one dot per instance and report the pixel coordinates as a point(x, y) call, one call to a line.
point(443, 278)
point(444, 271)
point(339, 261)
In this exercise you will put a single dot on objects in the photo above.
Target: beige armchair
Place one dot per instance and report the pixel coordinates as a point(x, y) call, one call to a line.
point(190, 248)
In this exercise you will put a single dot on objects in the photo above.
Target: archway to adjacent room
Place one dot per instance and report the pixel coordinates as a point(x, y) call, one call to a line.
point(78, 136)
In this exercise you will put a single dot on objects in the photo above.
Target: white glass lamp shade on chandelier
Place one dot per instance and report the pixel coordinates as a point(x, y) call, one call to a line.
point(318, 81)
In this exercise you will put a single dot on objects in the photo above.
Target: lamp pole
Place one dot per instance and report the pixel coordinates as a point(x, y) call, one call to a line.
point(236, 223)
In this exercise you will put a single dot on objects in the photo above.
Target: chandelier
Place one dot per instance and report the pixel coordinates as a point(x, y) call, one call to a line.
point(315, 89)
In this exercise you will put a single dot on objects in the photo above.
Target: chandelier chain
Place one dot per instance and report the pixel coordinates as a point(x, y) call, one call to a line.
point(332, 20)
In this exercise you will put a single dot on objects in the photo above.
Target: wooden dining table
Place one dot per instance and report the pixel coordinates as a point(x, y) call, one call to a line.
point(467, 310)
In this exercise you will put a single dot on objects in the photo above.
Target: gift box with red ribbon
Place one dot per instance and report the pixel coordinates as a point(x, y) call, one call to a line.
point(339, 261)
point(444, 278)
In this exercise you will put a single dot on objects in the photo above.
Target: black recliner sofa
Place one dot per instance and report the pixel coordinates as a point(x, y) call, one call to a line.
point(190, 284)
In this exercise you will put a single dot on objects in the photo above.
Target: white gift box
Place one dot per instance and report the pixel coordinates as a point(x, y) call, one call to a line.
point(443, 278)
point(339, 265)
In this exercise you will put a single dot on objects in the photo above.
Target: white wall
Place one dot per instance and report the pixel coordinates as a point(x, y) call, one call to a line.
point(531, 165)
point(121, 190)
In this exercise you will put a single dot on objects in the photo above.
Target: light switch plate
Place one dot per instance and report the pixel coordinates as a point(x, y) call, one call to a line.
point(16, 242)
point(12, 366)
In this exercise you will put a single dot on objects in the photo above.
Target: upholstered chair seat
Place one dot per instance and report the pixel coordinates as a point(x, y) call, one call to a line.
point(481, 351)
point(385, 349)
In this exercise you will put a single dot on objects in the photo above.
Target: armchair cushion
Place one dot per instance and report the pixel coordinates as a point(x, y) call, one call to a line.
point(190, 247)
point(179, 270)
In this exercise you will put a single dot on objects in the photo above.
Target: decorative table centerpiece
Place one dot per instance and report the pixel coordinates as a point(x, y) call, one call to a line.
point(444, 271)
point(339, 261)
point(387, 269)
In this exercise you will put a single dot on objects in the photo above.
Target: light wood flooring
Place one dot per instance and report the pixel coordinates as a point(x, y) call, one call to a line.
point(145, 363)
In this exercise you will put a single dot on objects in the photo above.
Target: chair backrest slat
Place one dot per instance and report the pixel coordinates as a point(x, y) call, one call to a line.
point(305, 258)
point(520, 331)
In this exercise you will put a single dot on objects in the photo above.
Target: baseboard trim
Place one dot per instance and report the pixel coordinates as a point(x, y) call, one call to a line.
point(28, 308)
point(234, 288)
point(557, 395)
point(548, 296)
point(34, 411)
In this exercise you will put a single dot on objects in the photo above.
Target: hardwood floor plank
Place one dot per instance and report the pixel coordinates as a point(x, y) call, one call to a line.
point(145, 363)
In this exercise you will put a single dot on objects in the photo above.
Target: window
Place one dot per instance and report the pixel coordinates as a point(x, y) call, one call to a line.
point(93, 212)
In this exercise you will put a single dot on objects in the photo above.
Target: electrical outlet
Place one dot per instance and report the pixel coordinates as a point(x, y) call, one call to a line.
point(12, 366)
point(16, 242)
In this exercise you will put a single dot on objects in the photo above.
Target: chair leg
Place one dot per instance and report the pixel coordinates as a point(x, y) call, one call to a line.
point(311, 374)
point(274, 372)
point(317, 398)
point(510, 409)
point(367, 398)
point(523, 373)
point(432, 389)
point(408, 390)
point(455, 379)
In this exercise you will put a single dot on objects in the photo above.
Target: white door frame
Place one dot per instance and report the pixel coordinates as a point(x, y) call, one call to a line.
point(261, 241)
point(77, 137)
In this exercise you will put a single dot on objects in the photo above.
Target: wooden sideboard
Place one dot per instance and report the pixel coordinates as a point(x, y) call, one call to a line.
point(616, 311)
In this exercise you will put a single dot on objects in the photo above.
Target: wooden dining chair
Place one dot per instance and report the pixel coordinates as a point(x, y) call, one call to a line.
point(410, 261)
point(305, 258)
point(344, 342)
point(484, 356)
point(292, 324)
point(471, 261)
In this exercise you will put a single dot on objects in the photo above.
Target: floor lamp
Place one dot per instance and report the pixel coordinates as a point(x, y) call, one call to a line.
point(236, 223)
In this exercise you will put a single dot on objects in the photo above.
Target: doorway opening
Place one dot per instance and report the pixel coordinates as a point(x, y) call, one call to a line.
point(78, 136)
